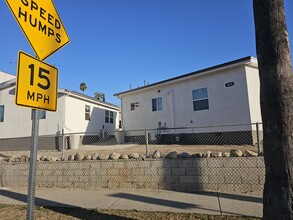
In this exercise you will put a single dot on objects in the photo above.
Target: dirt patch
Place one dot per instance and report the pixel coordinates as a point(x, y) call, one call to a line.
point(132, 148)
point(9, 212)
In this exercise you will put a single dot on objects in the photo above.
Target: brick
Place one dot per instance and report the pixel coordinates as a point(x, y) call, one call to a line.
point(184, 163)
point(170, 163)
point(151, 171)
point(216, 162)
point(178, 171)
point(171, 179)
point(179, 186)
point(164, 171)
point(200, 162)
point(138, 171)
point(165, 186)
point(156, 163)
point(232, 162)
point(216, 179)
point(186, 179)
point(234, 178)
point(250, 176)
point(193, 171)
point(201, 179)
point(106, 164)
point(194, 187)
point(260, 162)
point(248, 162)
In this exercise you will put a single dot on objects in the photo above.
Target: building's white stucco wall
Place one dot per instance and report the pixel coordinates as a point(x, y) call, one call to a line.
point(75, 117)
point(227, 105)
point(17, 120)
point(253, 86)
point(5, 77)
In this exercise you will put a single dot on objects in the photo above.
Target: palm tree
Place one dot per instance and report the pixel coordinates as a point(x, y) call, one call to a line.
point(276, 97)
point(83, 87)
point(99, 96)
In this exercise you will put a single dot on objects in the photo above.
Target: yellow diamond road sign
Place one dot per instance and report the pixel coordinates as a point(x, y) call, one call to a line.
point(41, 24)
point(36, 83)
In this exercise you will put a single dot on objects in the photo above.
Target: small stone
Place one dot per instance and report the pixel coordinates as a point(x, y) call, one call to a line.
point(54, 159)
point(226, 154)
point(16, 159)
point(133, 156)
point(236, 153)
point(197, 155)
point(46, 158)
point(43, 158)
point(216, 154)
point(9, 159)
point(78, 156)
point(207, 154)
point(172, 155)
point(124, 157)
point(23, 158)
point(88, 157)
point(157, 154)
point(38, 158)
point(250, 153)
point(143, 157)
point(95, 156)
point(114, 156)
point(184, 155)
point(70, 157)
point(103, 157)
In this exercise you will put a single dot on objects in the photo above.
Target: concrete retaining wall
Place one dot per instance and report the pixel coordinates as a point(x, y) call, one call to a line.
point(195, 174)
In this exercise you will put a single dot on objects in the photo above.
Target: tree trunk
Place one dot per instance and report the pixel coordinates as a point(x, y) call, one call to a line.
point(276, 95)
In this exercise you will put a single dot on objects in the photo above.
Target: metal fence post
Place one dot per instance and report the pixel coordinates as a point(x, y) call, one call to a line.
point(146, 143)
point(63, 140)
point(257, 138)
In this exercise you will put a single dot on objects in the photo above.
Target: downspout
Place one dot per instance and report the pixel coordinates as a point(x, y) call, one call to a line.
point(172, 108)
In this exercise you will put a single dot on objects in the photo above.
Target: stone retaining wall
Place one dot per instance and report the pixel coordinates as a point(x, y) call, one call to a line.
point(192, 174)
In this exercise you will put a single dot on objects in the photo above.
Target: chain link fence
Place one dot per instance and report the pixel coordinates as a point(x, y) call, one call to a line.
point(145, 172)
point(241, 174)
point(189, 138)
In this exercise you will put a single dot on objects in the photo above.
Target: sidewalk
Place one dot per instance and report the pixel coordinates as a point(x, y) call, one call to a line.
point(147, 200)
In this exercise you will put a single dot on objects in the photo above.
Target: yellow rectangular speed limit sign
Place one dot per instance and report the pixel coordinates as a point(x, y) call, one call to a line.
point(36, 83)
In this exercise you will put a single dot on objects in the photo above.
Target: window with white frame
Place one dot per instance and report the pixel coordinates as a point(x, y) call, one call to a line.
point(1, 113)
point(200, 99)
point(87, 112)
point(134, 106)
point(41, 114)
point(157, 104)
point(109, 117)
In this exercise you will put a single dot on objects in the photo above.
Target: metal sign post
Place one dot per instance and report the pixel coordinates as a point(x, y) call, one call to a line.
point(37, 83)
point(32, 168)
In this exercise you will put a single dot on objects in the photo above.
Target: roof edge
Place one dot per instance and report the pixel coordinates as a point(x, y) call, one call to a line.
point(223, 65)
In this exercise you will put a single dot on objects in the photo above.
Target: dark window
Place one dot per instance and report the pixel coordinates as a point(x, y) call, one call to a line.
point(200, 99)
point(87, 112)
point(109, 117)
point(42, 114)
point(134, 106)
point(157, 104)
point(1, 113)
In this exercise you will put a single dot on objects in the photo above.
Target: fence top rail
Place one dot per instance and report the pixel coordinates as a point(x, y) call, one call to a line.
point(163, 128)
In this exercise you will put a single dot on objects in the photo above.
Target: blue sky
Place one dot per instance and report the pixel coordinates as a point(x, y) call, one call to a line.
point(115, 44)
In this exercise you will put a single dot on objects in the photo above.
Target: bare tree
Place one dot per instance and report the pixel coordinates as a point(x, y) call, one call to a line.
point(276, 94)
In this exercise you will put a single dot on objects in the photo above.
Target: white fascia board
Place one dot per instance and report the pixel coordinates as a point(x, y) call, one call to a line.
point(252, 62)
point(7, 84)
